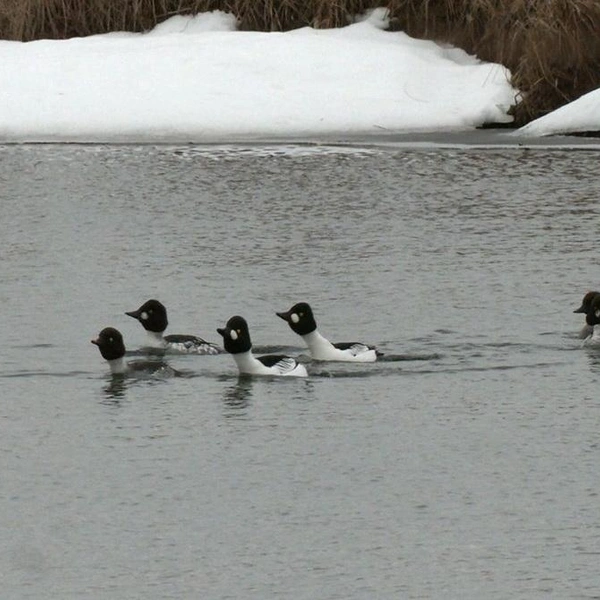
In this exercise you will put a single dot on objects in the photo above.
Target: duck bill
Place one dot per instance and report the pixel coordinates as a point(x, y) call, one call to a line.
point(580, 309)
point(134, 313)
point(223, 332)
point(284, 315)
point(95, 342)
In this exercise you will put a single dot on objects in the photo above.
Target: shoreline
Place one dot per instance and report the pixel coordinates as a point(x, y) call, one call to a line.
point(481, 139)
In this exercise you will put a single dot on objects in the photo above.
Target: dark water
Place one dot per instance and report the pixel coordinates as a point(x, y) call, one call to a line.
point(471, 471)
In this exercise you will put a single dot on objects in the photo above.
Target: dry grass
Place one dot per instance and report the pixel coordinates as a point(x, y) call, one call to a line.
point(561, 56)
point(34, 19)
point(552, 47)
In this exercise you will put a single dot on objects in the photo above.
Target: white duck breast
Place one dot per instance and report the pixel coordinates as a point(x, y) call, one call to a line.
point(269, 365)
point(593, 340)
point(117, 366)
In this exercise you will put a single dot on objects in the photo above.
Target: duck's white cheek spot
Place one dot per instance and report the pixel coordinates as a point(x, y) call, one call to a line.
point(144, 316)
point(295, 318)
point(233, 335)
point(598, 313)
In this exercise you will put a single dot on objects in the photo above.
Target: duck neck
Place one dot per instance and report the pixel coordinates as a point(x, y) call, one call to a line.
point(117, 366)
point(155, 339)
point(246, 362)
point(316, 342)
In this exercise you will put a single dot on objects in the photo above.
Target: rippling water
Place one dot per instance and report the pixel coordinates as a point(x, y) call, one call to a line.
point(466, 466)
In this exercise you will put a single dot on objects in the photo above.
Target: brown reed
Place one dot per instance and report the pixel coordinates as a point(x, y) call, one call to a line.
point(552, 47)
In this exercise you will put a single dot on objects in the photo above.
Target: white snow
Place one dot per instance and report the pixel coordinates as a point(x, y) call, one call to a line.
point(199, 79)
point(578, 116)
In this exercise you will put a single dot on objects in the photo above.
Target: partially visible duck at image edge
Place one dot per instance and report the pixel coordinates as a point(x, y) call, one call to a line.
point(592, 319)
point(586, 304)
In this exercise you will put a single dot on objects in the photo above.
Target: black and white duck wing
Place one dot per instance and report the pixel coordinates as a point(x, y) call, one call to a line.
point(280, 363)
point(355, 348)
point(191, 344)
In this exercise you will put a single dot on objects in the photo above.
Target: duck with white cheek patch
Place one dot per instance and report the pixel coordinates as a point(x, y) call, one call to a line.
point(592, 319)
point(586, 304)
point(302, 321)
point(236, 339)
point(111, 346)
point(153, 317)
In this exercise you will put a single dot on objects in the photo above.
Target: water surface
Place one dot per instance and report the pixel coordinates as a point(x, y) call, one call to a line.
point(468, 469)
